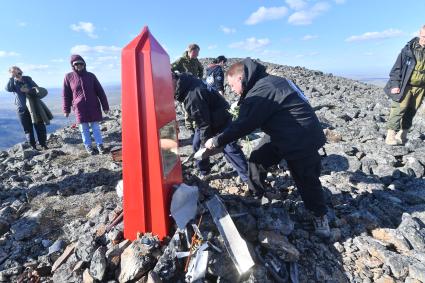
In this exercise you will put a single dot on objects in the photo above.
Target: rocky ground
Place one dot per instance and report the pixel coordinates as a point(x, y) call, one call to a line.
point(57, 205)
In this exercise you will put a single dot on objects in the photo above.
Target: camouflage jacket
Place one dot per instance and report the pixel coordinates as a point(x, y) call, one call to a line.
point(184, 64)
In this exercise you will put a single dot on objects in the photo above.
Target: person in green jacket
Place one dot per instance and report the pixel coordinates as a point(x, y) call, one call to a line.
point(189, 63)
point(406, 87)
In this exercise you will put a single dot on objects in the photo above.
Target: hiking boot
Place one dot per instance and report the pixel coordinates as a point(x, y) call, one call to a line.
point(391, 138)
point(90, 150)
point(401, 137)
point(43, 146)
point(321, 226)
point(101, 149)
point(34, 147)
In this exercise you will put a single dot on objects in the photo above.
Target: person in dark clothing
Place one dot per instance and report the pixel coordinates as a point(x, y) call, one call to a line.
point(215, 75)
point(406, 87)
point(208, 109)
point(292, 132)
point(21, 86)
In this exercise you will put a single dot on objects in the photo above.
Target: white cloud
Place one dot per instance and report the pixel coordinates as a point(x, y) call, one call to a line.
point(214, 46)
point(309, 37)
point(340, 1)
point(296, 4)
point(32, 67)
point(8, 53)
point(306, 17)
point(373, 35)
point(22, 24)
point(86, 27)
point(369, 54)
point(227, 30)
point(100, 58)
point(251, 43)
point(416, 33)
point(85, 50)
point(266, 14)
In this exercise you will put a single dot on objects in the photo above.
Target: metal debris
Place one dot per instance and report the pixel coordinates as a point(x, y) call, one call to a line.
point(184, 204)
point(235, 245)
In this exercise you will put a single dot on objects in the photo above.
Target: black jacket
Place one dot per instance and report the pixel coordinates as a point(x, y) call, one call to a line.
point(15, 86)
point(206, 107)
point(215, 77)
point(401, 72)
point(280, 109)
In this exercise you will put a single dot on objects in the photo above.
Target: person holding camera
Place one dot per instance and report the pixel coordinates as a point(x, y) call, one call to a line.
point(24, 86)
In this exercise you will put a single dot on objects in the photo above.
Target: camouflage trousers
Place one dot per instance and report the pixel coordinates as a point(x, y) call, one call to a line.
point(402, 113)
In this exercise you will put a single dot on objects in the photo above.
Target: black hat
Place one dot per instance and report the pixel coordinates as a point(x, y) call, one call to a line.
point(219, 59)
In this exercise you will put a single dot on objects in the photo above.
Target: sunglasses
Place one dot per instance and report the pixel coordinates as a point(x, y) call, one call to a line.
point(78, 64)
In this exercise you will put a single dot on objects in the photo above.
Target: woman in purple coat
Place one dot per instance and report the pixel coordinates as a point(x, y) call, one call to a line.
point(83, 92)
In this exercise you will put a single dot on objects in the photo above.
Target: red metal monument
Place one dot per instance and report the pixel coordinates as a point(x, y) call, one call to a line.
point(151, 165)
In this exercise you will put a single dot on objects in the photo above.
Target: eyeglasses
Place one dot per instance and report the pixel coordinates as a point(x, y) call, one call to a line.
point(78, 64)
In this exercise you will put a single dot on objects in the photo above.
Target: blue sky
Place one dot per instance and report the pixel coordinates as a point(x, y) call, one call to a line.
point(354, 38)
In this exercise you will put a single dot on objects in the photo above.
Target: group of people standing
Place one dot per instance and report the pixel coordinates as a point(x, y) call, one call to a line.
point(273, 104)
point(277, 106)
point(82, 93)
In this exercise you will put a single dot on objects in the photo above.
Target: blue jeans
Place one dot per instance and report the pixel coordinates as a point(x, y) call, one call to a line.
point(232, 152)
point(85, 133)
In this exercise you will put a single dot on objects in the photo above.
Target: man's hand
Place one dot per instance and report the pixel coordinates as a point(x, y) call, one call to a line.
point(210, 143)
point(395, 90)
point(66, 115)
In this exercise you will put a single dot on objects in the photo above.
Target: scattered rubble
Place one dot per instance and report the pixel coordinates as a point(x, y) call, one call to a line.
point(61, 218)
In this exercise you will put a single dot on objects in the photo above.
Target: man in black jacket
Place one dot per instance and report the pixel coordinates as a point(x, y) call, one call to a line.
point(292, 132)
point(406, 87)
point(208, 109)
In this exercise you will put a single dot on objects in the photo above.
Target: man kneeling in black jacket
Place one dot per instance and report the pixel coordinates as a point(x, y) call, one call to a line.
point(292, 132)
point(209, 110)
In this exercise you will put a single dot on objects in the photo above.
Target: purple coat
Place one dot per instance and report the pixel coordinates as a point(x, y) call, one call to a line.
point(84, 93)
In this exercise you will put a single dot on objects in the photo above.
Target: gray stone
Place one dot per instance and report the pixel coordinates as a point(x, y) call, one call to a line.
point(85, 248)
point(399, 265)
point(65, 274)
point(417, 271)
point(137, 258)
point(8, 213)
point(279, 245)
point(409, 228)
point(4, 227)
point(24, 229)
point(98, 264)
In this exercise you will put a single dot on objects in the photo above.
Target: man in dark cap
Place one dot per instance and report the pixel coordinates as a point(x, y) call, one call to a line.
point(292, 132)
